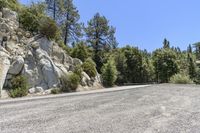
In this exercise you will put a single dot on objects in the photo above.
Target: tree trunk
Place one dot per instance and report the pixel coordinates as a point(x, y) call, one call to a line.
point(66, 30)
point(66, 34)
point(54, 10)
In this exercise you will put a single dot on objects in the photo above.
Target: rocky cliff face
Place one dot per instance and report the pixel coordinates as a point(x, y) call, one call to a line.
point(42, 61)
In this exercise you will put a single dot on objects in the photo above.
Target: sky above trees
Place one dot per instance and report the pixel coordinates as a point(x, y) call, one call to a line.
point(145, 23)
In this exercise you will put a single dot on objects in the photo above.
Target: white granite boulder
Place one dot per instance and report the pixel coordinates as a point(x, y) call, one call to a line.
point(16, 66)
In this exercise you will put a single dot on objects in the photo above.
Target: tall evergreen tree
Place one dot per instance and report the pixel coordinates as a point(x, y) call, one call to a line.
point(121, 66)
point(100, 36)
point(69, 17)
point(166, 43)
point(191, 66)
point(52, 7)
point(134, 64)
point(165, 63)
point(189, 49)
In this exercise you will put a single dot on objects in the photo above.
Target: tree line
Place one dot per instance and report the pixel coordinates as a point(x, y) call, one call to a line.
point(95, 43)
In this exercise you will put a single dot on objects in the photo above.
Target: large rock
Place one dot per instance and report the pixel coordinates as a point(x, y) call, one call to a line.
point(58, 54)
point(45, 44)
point(4, 66)
point(4, 27)
point(41, 70)
point(63, 69)
point(8, 14)
point(16, 66)
point(30, 70)
point(32, 90)
point(36, 90)
point(77, 62)
point(10, 18)
point(39, 89)
point(49, 73)
point(85, 79)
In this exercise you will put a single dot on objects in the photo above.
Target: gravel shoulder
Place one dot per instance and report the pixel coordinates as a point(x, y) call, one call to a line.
point(157, 108)
point(40, 97)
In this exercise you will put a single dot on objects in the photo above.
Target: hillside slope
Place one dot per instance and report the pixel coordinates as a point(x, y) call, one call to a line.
point(40, 60)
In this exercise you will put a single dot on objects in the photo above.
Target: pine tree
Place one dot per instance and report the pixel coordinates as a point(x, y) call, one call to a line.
point(165, 63)
point(189, 49)
point(166, 43)
point(52, 7)
point(100, 36)
point(109, 73)
point(69, 17)
point(66, 15)
point(121, 66)
point(191, 66)
point(80, 51)
point(134, 64)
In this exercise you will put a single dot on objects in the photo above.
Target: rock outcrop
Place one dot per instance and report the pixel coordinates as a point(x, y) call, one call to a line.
point(4, 67)
point(16, 65)
point(40, 60)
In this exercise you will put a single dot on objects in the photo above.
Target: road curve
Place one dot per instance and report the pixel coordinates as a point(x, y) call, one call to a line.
point(156, 108)
point(106, 90)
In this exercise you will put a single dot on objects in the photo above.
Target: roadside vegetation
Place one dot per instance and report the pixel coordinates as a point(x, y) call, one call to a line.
point(96, 45)
point(19, 87)
point(55, 91)
point(181, 79)
point(70, 82)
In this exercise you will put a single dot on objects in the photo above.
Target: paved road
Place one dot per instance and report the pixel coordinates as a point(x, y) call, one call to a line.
point(158, 108)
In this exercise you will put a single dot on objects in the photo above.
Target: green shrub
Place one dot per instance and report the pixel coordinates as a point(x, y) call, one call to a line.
point(48, 28)
point(55, 91)
point(197, 78)
point(74, 81)
point(80, 51)
point(89, 67)
point(12, 4)
point(70, 82)
point(181, 79)
point(109, 73)
point(78, 71)
point(19, 87)
point(29, 17)
point(3, 3)
point(63, 46)
point(64, 83)
point(18, 92)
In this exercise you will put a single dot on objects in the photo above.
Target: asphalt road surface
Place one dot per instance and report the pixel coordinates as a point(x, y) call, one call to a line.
point(157, 108)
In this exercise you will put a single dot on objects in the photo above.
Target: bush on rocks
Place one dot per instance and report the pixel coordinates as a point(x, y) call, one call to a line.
point(29, 17)
point(48, 28)
point(55, 91)
point(11, 4)
point(89, 67)
point(81, 51)
point(19, 87)
point(78, 71)
point(3, 4)
point(70, 82)
point(61, 44)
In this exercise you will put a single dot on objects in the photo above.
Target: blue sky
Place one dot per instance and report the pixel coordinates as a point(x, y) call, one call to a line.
point(145, 23)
